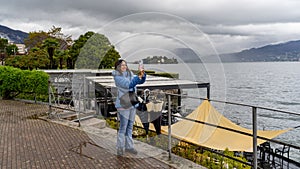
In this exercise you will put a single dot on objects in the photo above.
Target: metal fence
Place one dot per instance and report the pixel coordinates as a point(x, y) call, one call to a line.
point(254, 109)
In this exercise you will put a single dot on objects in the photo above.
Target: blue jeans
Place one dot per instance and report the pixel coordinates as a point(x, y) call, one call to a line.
point(127, 118)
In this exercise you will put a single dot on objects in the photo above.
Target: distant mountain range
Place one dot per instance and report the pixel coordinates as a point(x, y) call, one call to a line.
point(14, 36)
point(288, 51)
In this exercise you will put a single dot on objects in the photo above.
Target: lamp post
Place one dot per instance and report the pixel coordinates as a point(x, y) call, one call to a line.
point(14, 51)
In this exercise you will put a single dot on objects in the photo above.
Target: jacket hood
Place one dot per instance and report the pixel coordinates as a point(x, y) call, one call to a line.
point(115, 73)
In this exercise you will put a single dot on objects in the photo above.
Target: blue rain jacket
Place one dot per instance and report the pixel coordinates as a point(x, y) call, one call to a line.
point(126, 82)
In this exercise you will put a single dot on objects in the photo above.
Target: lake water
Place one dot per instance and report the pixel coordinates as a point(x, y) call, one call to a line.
point(267, 84)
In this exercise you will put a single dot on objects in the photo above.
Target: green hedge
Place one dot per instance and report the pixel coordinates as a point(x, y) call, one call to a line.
point(161, 74)
point(14, 81)
point(164, 74)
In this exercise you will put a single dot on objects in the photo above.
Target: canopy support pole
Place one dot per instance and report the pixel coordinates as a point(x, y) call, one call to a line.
point(169, 125)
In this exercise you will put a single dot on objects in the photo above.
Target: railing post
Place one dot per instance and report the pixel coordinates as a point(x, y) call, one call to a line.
point(84, 94)
point(254, 123)
point(49, 97)
point(169, 126)
point(79, 109)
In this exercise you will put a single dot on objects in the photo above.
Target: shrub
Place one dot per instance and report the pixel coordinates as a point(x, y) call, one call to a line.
point(14, 81)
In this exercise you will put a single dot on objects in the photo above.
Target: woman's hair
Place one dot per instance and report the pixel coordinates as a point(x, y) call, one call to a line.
point(118, 66)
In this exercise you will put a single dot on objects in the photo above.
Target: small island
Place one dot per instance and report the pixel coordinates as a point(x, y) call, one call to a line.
point(158, 60)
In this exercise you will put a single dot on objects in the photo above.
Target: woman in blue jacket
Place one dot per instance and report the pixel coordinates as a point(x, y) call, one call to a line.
point(126, 81)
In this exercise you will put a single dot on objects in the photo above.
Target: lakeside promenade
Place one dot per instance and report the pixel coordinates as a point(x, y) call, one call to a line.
point(27, 141)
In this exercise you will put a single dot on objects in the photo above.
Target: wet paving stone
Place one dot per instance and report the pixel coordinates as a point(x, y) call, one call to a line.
point(29, 142)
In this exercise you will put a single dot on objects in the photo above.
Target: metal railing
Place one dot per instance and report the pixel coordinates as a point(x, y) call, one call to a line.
point(254, 125)
point(254, 121)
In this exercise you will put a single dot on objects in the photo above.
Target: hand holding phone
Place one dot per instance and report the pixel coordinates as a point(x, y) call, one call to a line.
point(141, 69)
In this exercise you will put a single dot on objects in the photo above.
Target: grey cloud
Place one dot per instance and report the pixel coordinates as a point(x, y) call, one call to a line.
point(231, 25)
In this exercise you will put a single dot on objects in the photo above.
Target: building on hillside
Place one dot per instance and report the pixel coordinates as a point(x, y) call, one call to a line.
point(21, 49)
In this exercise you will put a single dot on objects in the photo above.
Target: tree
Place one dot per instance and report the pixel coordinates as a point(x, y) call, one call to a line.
point(62, 56)
point(52, 40)
point(37, 59)
point(3, 44)
point(35, 39)
point(50, 44)
point(93, 52)
point(75, 48)
point(3, 52)
point(65, 41)
point(34, 60)
point(109, 59)
point(11, 49)
point(15, 61)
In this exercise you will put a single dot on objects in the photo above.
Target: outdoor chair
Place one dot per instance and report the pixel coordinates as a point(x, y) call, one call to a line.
point(282, 153)
point(265, 152)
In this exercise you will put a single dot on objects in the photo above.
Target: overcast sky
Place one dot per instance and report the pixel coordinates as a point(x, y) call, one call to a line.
point(209, 25)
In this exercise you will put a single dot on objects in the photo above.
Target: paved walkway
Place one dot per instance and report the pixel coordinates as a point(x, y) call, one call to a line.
point(29, 142)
